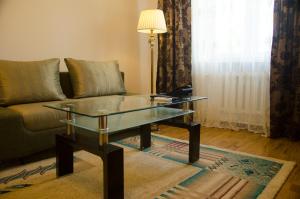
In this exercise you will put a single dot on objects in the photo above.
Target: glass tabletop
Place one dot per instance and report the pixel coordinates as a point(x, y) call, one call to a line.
point(115, 104)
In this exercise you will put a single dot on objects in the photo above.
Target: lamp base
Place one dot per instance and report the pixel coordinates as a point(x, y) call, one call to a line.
point(153, 96)
point(154, 127)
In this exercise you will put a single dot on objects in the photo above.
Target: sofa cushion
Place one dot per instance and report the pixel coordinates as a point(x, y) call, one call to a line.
point(36, 117)
point(90, 78)
point(26, 82)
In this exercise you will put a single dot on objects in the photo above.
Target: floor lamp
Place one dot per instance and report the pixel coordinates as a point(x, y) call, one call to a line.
point(152, 22)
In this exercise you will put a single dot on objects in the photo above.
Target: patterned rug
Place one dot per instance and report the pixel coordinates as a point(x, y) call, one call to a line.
point(158, 172)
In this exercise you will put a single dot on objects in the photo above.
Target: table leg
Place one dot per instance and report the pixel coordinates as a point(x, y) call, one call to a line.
point(145, 133)
point(64, 156)
point(194, 142)
point(113, 171)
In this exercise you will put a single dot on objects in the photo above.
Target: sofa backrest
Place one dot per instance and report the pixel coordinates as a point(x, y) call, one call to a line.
point(66, 84)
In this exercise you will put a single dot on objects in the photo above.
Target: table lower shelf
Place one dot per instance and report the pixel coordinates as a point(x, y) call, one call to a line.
point(128, 120)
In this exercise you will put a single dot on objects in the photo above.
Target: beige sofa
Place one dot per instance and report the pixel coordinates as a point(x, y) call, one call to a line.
point(29, 128)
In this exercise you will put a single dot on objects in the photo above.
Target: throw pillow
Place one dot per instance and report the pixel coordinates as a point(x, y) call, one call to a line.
point(91, 78)
point(26, 82)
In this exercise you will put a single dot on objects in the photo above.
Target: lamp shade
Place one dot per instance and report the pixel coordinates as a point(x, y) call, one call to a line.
point(152, 20)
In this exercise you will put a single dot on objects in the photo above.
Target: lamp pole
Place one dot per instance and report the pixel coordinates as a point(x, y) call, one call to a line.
point(152, 43)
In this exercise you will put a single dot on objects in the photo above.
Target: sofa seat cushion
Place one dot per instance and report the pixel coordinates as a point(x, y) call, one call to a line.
point(36, 117)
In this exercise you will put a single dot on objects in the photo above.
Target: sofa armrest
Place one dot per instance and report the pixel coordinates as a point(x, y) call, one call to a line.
point(11, 133)
point(9, 119)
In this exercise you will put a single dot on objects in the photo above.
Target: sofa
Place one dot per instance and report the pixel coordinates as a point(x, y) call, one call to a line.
point(29, 128)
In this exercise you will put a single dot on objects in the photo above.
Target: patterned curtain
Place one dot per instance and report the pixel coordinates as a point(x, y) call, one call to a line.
point(285, 70)
point(174, 47)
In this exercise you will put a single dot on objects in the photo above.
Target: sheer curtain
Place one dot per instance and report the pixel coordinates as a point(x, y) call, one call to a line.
point(231, 52)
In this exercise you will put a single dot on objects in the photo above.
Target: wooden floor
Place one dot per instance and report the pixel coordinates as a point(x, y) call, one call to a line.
point(244, 141)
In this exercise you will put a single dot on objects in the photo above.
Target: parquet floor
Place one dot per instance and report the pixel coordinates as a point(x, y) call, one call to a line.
point(250, 143)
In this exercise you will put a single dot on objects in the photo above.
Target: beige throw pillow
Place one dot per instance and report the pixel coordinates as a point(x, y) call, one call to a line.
point(91, 78)
point(26, 82)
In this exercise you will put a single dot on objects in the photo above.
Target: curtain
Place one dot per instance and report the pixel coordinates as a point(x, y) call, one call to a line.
point(285, 70)
point(174, 47)
point(231, 52)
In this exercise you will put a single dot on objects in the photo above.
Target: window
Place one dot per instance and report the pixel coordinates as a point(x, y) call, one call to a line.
point(231, 52)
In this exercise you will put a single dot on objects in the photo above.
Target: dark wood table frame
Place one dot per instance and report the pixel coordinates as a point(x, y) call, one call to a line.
point(113, 156)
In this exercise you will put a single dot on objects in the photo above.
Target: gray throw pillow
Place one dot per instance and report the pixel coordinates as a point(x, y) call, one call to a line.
point(26, 82)
point(91, 78)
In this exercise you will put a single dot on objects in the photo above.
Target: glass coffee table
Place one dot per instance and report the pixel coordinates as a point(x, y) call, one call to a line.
point(93, 123)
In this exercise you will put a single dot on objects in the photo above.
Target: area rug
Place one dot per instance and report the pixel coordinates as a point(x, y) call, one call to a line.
point(158, 172)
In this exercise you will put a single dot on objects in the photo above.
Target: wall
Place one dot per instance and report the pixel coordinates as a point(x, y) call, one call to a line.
point(87, 29)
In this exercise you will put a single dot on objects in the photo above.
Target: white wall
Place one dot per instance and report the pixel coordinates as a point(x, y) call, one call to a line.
point(86, 29)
